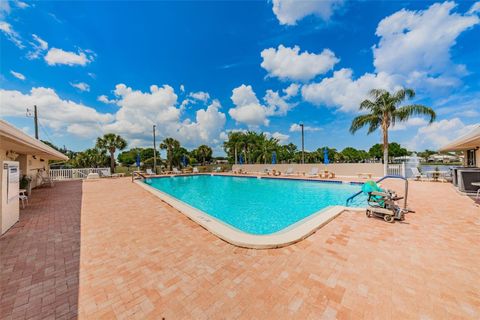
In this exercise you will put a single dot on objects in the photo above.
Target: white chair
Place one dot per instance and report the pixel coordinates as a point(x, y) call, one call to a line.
point(23, 197)
point(313, 172)
point(176, 171)
point(195, 170)
point(150, 172)
point(418, 176)
point(289, 172)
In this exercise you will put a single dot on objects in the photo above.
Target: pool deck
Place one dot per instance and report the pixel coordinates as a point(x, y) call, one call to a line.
point(109, 249)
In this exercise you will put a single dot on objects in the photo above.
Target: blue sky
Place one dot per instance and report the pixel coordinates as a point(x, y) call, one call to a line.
point(200, 69)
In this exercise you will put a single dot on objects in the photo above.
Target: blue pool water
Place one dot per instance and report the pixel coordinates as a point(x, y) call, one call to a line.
point(256, 206)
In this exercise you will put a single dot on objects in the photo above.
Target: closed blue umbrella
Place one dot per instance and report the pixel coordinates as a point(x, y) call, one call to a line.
point(184, 161)
point(137, 160)
point(240, 160)
point(325, 156)
point(274, 157)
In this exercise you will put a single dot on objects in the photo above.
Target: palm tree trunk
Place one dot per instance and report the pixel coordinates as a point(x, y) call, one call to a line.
point(112, 162)
point(385, 151)
point(235, 154)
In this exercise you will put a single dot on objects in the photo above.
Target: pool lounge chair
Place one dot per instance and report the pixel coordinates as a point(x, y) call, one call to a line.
point(289, 172)
point(195, 170)
point(417, 175)
point(176, 171)
point(313, 173)
point(107, 174)
point(150, 172)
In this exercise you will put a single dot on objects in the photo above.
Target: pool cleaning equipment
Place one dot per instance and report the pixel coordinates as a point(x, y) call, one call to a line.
point(382, 203)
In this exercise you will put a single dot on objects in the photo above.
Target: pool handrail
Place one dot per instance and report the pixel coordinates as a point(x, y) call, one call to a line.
point(380, 180)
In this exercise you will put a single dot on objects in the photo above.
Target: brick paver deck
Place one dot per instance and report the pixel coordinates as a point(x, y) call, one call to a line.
point(140, 259)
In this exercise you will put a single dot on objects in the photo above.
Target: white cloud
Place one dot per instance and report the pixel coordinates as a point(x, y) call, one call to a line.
point(475, 8)
point(248, 109)
point(103, 98)
point(11, 34)
point(290, 11)
point(4, 9)
point(39, 46)
point(17, 75)
point(288, 63)
point(438, 133)
point(54, 112)
point(291, 90)
point(57, 56)
point(200, 95)
point(182, 88)
point(282, 138)
point(344, 92)
point(416, 45)
point(92, 75)
point(21, 5)
point(295, 127)
point(82, 86)
point(139, 111)
point(412, 122)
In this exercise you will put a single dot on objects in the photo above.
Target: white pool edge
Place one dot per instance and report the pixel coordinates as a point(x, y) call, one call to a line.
point(294, 233)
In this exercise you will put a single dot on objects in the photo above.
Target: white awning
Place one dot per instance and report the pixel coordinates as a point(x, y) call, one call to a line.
point(467, 142)
point(13, 139)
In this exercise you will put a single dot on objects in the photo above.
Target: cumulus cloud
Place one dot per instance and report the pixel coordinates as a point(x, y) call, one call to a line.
point(416, 44)
point(412, 122)
point(288, 12)
point(17, 75)
point(291, 90)
point(200, 95)
point(82, 86)
point(21, 4)
point(103, 98)
point(295, 127)
point(11, 34)
point(475, 8)
point(250, 111)
point(57, 56)
point(56, 113)
point(139, 111)
point(438, 134)
point(39, 46)
point(289, 64)
point(344, 92)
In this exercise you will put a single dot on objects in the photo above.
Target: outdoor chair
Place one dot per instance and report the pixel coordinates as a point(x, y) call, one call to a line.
point(313, 173)
point(289, 172)
point(417, 175)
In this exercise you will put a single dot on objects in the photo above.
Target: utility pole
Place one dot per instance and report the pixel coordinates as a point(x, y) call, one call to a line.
point(303, 145)
point(36, 121)
point(154, 152)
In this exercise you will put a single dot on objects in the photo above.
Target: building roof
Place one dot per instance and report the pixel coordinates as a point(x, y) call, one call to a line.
point(11, 138)
point(469, 141)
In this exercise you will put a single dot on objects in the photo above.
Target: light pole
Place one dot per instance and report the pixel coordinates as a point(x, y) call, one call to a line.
point(303, 145)
point(35, 117)
point(154, 152)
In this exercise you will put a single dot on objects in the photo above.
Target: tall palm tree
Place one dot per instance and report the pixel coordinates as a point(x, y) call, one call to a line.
point(266, 148)
point(170, 145)
point(205, 152)
point(110, 142)
point(234, 144)
point(384, 111)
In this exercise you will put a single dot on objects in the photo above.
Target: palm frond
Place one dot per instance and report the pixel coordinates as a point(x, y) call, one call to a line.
point(361, 121)
point(405, 112)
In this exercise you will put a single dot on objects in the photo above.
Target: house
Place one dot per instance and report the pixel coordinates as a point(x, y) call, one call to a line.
point(469, 144)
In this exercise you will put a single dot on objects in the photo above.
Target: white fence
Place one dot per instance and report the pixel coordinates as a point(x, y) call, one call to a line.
point(396, 169)
point(74, 174)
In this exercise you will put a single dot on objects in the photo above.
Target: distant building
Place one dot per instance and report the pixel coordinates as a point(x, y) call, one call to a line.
point(445, 158)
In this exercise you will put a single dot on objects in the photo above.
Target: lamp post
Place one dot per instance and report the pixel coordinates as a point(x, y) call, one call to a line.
point(303, 144)
point(154, 152)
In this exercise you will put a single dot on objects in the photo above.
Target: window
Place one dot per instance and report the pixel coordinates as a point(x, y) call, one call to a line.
point(471, 159)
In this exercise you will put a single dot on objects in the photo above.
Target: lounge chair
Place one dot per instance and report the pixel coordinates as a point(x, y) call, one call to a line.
point(313, 173)
point(289, 172)
point(150, 172)
point(176, 171)
point(44, 179)
point(218, 169)
point(107, 174)
point(195, 170)
point(417, 175)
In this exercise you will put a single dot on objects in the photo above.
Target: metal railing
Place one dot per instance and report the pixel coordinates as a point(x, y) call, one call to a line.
point(75, 174)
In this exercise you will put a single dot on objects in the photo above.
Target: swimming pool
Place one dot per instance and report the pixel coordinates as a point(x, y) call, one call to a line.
point(255, 206)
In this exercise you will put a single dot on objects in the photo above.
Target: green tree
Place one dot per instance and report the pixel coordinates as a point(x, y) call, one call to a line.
point(91, 158)
point(170, 145)
point(234, 145)
point(385, 111)
point(110, 142)
point(204, 152)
